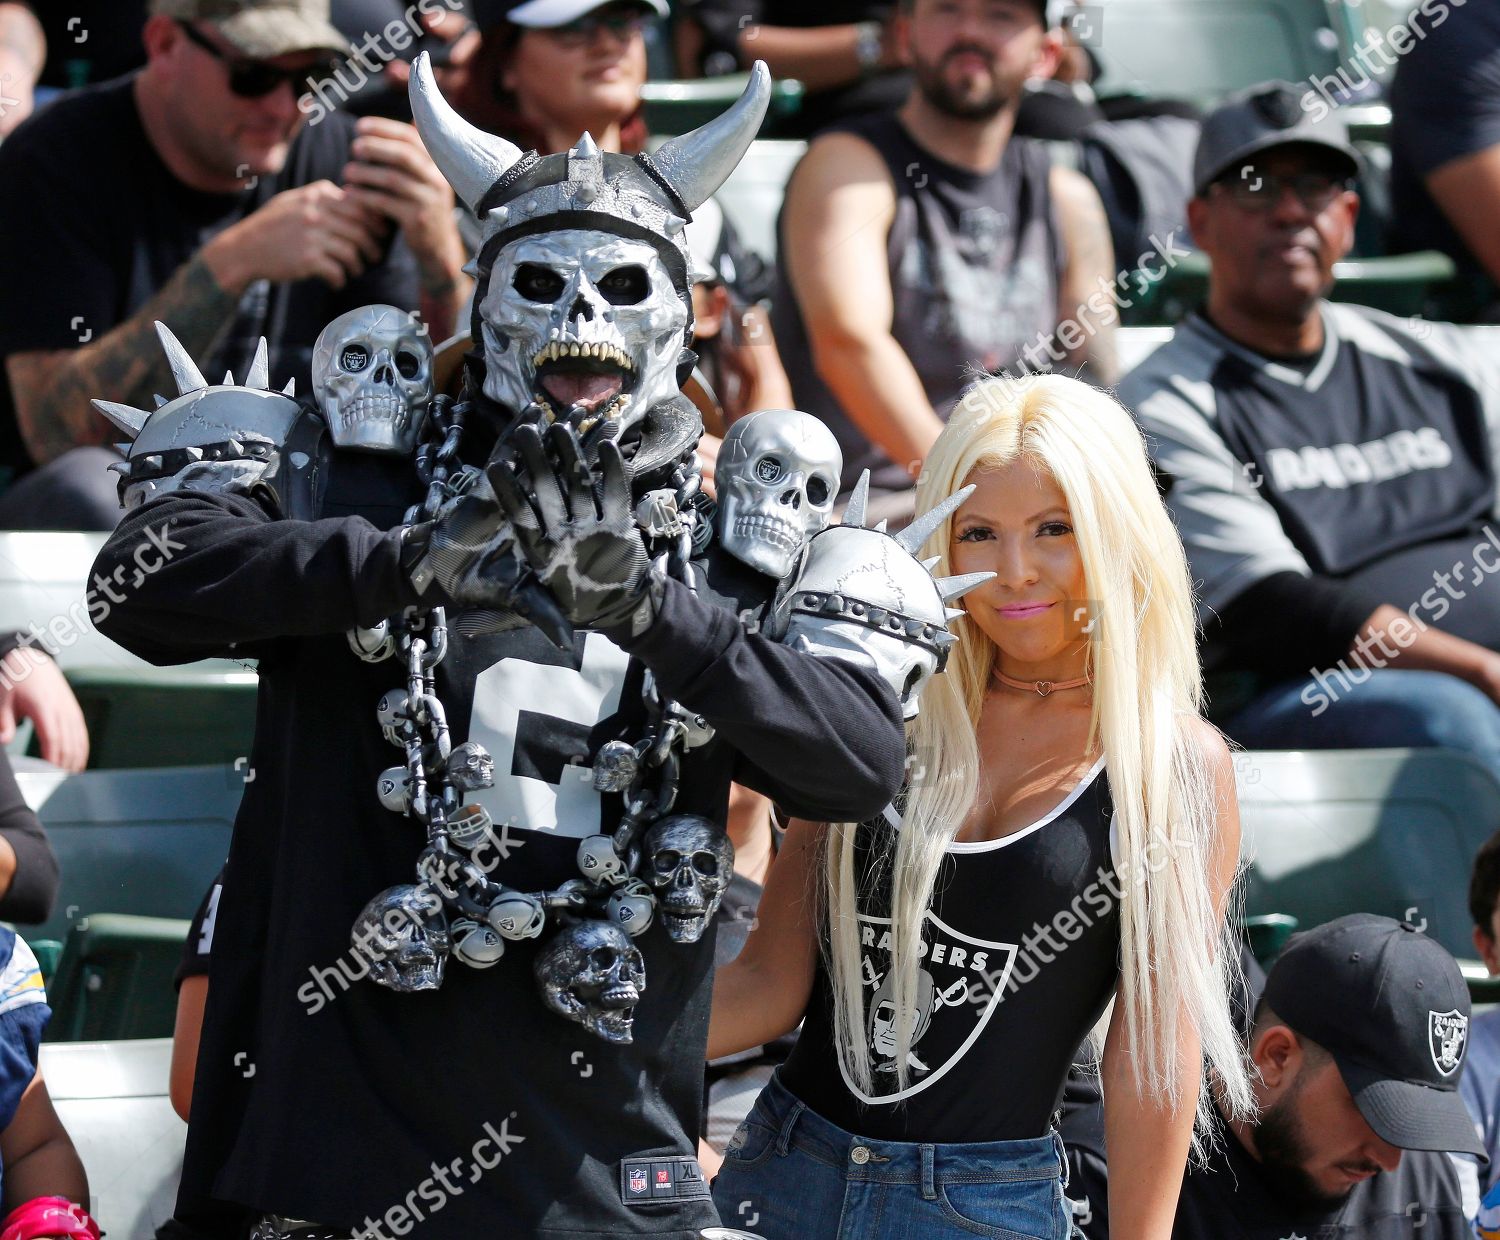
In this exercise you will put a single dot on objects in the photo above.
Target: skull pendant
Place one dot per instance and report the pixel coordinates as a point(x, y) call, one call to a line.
point(470, 767)
point(615, 766)
point(402, 938)
point(690, 864)
point(593, 974)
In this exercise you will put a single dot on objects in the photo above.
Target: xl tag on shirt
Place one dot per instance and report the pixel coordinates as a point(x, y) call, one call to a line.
point(661, 1179)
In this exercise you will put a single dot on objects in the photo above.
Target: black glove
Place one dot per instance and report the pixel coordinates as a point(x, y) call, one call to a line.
point(467, 558)
point(583, 544)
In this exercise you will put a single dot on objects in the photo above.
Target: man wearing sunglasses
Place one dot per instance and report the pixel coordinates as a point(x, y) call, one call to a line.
point(1331, 468)
point(199, 191)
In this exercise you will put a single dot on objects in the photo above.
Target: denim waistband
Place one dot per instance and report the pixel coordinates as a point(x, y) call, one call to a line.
point(905, 1162)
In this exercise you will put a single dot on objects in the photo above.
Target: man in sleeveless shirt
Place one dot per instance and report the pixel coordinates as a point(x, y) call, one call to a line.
point(924, 245)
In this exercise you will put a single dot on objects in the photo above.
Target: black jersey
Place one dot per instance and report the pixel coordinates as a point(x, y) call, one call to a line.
point(471, 1110)
point(1021, 956)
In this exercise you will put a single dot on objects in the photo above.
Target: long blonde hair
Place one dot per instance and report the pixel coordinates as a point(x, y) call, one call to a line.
point(1179, 955)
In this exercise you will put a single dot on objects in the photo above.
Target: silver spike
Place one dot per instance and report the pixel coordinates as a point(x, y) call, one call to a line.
point(126, 418)
point(696, 164)
point(184, 370)
point(920, 530)
point(228, 378)
point(586, 148)
point(260, 368)
point(957, 587)
point(953, 613)
point(159, 399)
point(470, 159)
point(854, 514)
point(931, 564)
point(123, 448)
point(290, 389)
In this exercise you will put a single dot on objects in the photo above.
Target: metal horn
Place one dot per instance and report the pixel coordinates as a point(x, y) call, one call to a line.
point(470, 160)
point(697, 163)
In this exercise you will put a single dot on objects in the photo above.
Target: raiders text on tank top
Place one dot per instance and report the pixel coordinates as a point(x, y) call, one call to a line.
point(1021, 954)
point(975, 263)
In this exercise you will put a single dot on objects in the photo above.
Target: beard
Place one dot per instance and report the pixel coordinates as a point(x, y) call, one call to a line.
point(1284, 1153)
point(959, 105)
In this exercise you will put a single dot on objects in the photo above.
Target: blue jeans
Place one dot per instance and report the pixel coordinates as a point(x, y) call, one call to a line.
point(791, 1175)
point(1390, 709)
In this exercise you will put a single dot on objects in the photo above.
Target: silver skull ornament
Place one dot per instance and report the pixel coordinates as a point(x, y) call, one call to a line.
point(372, 377)
point(470, 767)
point(402, 936)
point(777, 476)
point(582, 323)
point(593, 974)
point(690, 862)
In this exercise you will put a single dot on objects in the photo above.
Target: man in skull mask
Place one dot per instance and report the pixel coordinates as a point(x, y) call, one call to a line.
point(368, 1109)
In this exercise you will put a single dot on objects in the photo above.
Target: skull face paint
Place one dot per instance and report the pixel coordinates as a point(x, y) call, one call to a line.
point(372, 376)
point(591, 973)
point(402, 936)
point(584, 324)
point(690, 864)
point(777, 476)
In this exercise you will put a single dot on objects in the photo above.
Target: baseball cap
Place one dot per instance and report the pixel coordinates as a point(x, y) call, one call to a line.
point(548, 14)
point(1391, 1007)
point(262, 29)
point(1262, 117)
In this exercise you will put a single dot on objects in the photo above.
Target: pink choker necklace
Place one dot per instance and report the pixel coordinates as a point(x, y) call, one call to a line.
point(1042, 688)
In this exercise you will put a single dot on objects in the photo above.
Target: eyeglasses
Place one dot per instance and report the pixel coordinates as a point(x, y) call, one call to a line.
point(255, 79)
point(623, 26)
point(1260, 191)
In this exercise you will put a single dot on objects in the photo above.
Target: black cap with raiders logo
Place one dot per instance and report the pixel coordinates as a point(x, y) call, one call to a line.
point(1260, 118)
point(1391, 1007)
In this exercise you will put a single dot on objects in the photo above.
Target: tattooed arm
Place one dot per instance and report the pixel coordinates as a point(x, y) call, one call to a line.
point(23, 49)
point(1086, 315)
point(52, 388)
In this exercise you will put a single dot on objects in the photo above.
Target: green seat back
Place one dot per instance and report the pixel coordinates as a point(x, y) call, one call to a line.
point(185, 716)
point(1203, 49)
point(115, 979)
point(678, 105)
point(1389, 831)
point(143, 842)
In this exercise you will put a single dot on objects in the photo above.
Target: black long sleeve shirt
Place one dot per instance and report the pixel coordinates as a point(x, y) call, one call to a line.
point(358, 1094)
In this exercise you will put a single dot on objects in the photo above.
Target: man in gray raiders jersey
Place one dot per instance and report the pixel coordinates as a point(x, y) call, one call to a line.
point(1332, 469)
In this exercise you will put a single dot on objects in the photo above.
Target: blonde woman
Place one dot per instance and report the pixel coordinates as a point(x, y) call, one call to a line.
point(1069, 835)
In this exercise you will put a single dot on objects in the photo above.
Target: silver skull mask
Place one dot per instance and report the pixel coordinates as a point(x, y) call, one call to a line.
point(863, 596)
point(777, 476)
point(593, 974)
point(402, 935)
point(582, 320)
point(372, 376)
point(691, 863)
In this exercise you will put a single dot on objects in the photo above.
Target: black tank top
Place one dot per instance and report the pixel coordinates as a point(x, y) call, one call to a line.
point(975, 261)
point(1021, 956)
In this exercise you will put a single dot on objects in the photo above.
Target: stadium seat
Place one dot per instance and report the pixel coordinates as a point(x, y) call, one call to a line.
point(143, 842)
point(676, 106)
point(114, 980)
point(1389, 831)
point(752, 196)
point(112, 1098)
point(198, 715)
point(1201, 50)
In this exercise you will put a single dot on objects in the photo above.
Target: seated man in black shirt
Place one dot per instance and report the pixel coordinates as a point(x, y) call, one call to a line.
point(1358, 1045)
point(1331, 468)
point(198, 193)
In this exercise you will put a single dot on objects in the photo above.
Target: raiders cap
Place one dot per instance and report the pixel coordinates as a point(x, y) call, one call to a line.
point(1391, 1007)
point(1262, 117)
